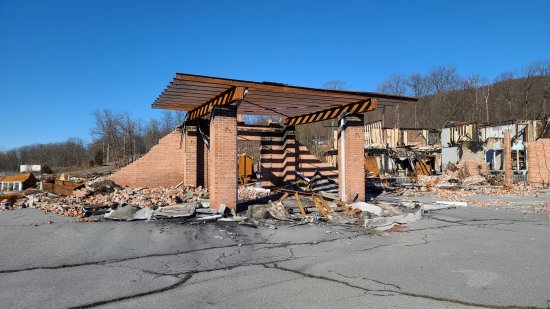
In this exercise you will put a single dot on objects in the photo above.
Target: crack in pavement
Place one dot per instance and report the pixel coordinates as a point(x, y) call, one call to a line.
point(369, 279)
point(103, 262)
point(425, 241)
point(404, 293)
point(372, 248)
point(152, 292)
point(187, 275)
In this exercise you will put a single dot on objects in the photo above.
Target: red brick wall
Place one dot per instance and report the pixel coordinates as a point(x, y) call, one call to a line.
point(538, 162)
point(222, 158)
point(163, 166)
point(354, 172)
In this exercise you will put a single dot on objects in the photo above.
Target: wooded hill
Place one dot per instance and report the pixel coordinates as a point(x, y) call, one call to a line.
point(444, 96)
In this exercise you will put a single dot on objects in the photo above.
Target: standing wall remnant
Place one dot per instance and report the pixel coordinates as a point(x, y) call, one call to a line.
point(538, 162)
point(162, 166)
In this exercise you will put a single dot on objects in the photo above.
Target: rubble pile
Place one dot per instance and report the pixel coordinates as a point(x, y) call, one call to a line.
point(102, 193)
point(467, 173)
point(486, 196)
point(106, 192)
point(247, 193)
point(309, 207)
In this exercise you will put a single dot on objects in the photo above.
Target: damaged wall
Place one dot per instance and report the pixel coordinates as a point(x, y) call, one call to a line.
point(377, 136)
point(538, 162)
point(162, 166)
point(471, 151)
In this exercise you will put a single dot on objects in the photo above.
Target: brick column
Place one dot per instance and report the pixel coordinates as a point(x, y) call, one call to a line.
point(190, 149)
point(222, 158)
point(351, 158)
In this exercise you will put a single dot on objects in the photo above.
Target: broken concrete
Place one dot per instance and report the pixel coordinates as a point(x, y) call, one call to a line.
point(176, 211)
point(125, 212)
point(366, 207)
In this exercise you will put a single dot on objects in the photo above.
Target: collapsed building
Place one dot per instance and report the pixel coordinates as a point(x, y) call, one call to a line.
point(204, 150)
point(480, 149)
point(207, 149)
point(401, 151)
point(471, 142)
point(17, 182)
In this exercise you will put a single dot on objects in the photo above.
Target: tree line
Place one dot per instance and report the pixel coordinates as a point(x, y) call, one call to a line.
point(444, 96)
point(117, 138)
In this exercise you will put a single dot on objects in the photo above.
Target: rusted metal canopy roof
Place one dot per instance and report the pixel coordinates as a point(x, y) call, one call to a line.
point(187, 92)
point(16, 178)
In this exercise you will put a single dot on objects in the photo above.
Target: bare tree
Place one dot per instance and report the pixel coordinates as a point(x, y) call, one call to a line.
point(419, 87)
point(474, 91)
point(396, 84)
point(443, 78)
point(527, 80)
point(541, 71)
point(506, 92)
point(335, 85)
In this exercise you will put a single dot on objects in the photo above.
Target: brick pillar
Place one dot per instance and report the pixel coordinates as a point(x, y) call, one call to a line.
point(222, 158)
point(290, 146)
point(190, 148)
point(507, 159)
point(351, 158)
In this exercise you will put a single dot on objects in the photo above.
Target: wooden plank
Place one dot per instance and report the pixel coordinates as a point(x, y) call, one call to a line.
point(262, 95)
point(325, 204)
point(201, 80)
point(299, 202)
point(321, 208)
point(186, 91)
point(282, 198)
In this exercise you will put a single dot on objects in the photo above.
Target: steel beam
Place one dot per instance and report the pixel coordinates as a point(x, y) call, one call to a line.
point(333, 113)
point(231, 95)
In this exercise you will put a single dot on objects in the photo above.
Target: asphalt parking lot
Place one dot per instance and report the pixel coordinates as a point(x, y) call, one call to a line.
point(465, 257)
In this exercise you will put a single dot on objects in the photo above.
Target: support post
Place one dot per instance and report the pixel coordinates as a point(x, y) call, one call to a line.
point(507, 159)
point(222, 158)
point(190, 148)
point(351, 158)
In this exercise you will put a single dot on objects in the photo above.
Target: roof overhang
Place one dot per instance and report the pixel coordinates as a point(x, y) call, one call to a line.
point(189, 92)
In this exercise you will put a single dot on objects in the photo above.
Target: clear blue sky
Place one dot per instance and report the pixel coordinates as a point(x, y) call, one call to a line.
point(61, 60)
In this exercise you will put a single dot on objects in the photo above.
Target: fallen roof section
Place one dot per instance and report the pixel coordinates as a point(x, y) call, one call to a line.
point(187, 92)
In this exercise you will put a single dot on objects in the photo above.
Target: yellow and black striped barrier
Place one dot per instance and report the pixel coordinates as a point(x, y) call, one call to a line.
point(332, 113)
point(231, 95)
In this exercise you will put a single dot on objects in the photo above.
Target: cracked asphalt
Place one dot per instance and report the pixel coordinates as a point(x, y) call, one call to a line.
point(465, 257)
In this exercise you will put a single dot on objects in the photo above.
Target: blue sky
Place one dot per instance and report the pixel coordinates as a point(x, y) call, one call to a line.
point(61, 60)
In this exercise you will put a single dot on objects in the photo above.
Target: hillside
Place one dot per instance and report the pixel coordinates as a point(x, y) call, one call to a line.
point(523, 98)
